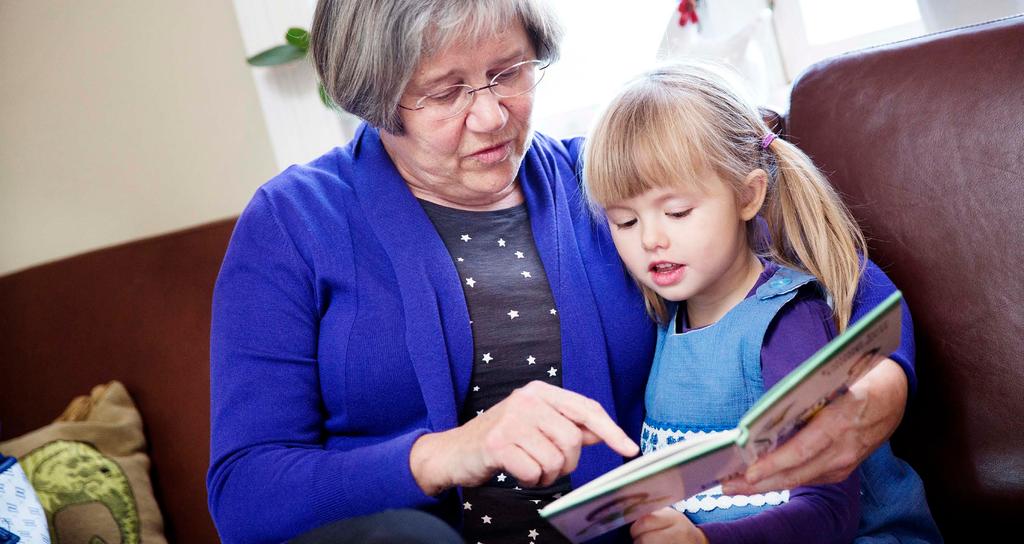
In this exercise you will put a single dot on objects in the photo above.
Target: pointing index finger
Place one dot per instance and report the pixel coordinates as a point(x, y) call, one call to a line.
point(590, 416)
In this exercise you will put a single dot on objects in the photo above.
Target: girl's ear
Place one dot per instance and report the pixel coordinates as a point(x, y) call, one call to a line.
point(754, 188)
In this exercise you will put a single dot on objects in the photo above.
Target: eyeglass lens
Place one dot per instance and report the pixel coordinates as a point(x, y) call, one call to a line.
point(515, 80)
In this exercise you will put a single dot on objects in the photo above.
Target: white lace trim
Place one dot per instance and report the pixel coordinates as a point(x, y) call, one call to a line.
point(712, 498)
point(657, 438)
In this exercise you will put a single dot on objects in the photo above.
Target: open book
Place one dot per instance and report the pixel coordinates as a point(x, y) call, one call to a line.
point(681, 470)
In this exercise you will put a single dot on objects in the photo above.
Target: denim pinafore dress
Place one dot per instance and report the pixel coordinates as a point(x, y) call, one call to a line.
point(702, 381)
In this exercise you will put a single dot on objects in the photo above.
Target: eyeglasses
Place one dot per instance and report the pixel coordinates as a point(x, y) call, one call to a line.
point(516, 80)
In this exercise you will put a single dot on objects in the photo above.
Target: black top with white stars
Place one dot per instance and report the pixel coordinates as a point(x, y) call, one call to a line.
point(516, 339)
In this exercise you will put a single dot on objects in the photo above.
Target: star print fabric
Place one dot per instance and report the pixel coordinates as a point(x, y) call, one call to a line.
point(516, 339)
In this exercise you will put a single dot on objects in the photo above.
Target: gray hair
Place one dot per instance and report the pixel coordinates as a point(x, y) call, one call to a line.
point(365, 51)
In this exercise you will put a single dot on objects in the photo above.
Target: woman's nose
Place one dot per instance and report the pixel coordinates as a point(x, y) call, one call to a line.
point(486, 113)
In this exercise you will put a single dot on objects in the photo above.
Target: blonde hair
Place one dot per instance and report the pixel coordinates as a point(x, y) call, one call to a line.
point(677, 121)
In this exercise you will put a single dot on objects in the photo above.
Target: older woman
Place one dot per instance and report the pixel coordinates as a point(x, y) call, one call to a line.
point(427, 317)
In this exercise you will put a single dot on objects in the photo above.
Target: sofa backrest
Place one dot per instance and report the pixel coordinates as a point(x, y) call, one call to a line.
point(138, 313)
point(925, 139)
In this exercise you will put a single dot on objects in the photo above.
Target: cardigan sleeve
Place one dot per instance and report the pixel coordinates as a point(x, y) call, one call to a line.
point(271, 476)
point(875, 286)
point(574, 148)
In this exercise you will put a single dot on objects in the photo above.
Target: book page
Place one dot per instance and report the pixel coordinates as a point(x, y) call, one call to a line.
point(827, 375)
point(621, 475)
point(620, 505)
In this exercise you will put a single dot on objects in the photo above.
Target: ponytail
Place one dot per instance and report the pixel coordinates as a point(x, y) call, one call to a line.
point(811, 229)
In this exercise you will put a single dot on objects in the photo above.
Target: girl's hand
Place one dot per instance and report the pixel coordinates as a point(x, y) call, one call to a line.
point(837, 440)
point(668, 526)
point(535, 434)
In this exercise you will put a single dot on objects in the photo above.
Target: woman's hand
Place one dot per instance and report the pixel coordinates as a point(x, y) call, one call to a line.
point(837, 440)
point(666, 525)
point(536, 434)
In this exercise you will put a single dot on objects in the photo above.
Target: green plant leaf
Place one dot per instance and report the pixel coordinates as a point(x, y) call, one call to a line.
point(326, 98)
point(277, 55)
point(298, 37)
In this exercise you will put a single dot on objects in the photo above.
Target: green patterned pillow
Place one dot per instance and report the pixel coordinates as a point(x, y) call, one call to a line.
point(91, 473)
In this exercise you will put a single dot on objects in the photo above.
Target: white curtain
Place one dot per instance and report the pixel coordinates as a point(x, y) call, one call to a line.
point(738, 33)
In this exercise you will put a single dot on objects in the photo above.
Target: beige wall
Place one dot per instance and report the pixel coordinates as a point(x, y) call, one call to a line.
point(121, 119)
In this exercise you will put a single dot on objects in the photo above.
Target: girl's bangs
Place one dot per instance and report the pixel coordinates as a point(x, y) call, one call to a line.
point(643, 144)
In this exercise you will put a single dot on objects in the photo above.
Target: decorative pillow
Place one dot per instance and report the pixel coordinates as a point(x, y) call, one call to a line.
point(91, 473)
point(21, 517)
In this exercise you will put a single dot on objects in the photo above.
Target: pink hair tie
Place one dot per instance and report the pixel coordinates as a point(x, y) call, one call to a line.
point(767, 140)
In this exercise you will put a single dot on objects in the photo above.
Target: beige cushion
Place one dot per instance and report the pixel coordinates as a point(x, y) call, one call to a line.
point(91, 472)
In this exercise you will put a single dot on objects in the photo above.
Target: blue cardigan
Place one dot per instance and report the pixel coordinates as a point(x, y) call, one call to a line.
point(340, 335)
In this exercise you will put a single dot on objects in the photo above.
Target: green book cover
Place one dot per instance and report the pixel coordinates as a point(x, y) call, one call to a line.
point(683, 469)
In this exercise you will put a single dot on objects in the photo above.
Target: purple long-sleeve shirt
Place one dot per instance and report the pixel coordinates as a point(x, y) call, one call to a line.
point(821, 513)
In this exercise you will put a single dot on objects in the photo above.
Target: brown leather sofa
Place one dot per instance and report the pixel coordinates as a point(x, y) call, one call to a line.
point(925, 138)
point(138, 313)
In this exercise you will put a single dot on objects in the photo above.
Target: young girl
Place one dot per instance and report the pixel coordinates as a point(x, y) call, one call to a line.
point(682, 169)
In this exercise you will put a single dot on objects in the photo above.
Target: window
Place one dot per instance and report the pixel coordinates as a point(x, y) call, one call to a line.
point(812, 30)
point(605, 43)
